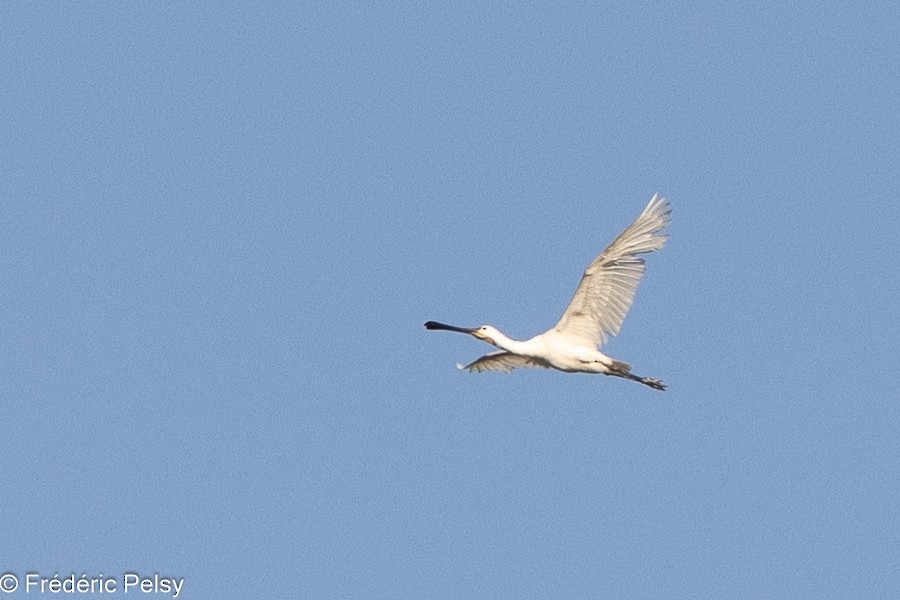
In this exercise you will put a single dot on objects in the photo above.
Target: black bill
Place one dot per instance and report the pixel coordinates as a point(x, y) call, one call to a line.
point(442, 326)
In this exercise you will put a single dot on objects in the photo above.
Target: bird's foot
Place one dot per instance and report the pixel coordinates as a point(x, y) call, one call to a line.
point(656, 384)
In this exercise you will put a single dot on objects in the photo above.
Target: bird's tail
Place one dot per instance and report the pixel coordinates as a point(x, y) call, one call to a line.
point(620, 367)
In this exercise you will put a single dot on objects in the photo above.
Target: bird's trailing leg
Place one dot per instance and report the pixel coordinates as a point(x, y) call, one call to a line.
point(656, 384)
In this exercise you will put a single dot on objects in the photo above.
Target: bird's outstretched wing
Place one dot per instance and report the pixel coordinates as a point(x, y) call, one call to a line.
point(502, 361)
point(607, 287)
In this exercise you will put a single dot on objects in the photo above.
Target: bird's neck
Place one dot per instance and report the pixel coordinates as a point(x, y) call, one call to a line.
point(509, 344)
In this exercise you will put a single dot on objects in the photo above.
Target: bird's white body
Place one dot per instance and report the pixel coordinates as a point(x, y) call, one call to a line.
point(594, 314)
point(553, 348)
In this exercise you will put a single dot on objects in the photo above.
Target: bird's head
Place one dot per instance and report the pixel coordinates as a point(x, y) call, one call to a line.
point(487, 333)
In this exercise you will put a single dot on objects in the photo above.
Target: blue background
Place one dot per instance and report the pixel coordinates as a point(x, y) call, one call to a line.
point(223, 226)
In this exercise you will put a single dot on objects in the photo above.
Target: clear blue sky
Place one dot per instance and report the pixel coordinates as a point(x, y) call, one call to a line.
point(223, 227)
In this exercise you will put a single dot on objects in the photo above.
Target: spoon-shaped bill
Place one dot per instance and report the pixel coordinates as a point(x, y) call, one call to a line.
point(442, 326)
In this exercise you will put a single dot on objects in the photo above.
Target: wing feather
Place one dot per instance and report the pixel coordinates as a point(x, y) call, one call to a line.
point(607, 288)
point(502, 361)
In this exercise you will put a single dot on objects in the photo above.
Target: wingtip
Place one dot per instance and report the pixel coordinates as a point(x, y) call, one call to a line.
point(658, 200)
point(660, 208)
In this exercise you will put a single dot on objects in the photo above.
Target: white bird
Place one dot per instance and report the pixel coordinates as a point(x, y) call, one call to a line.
point(594, 314)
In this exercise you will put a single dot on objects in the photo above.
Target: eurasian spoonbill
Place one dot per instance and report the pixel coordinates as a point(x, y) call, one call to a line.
point(594, 314)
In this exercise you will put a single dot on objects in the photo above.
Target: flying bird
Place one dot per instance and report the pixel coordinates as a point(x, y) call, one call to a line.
point(594, 314)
